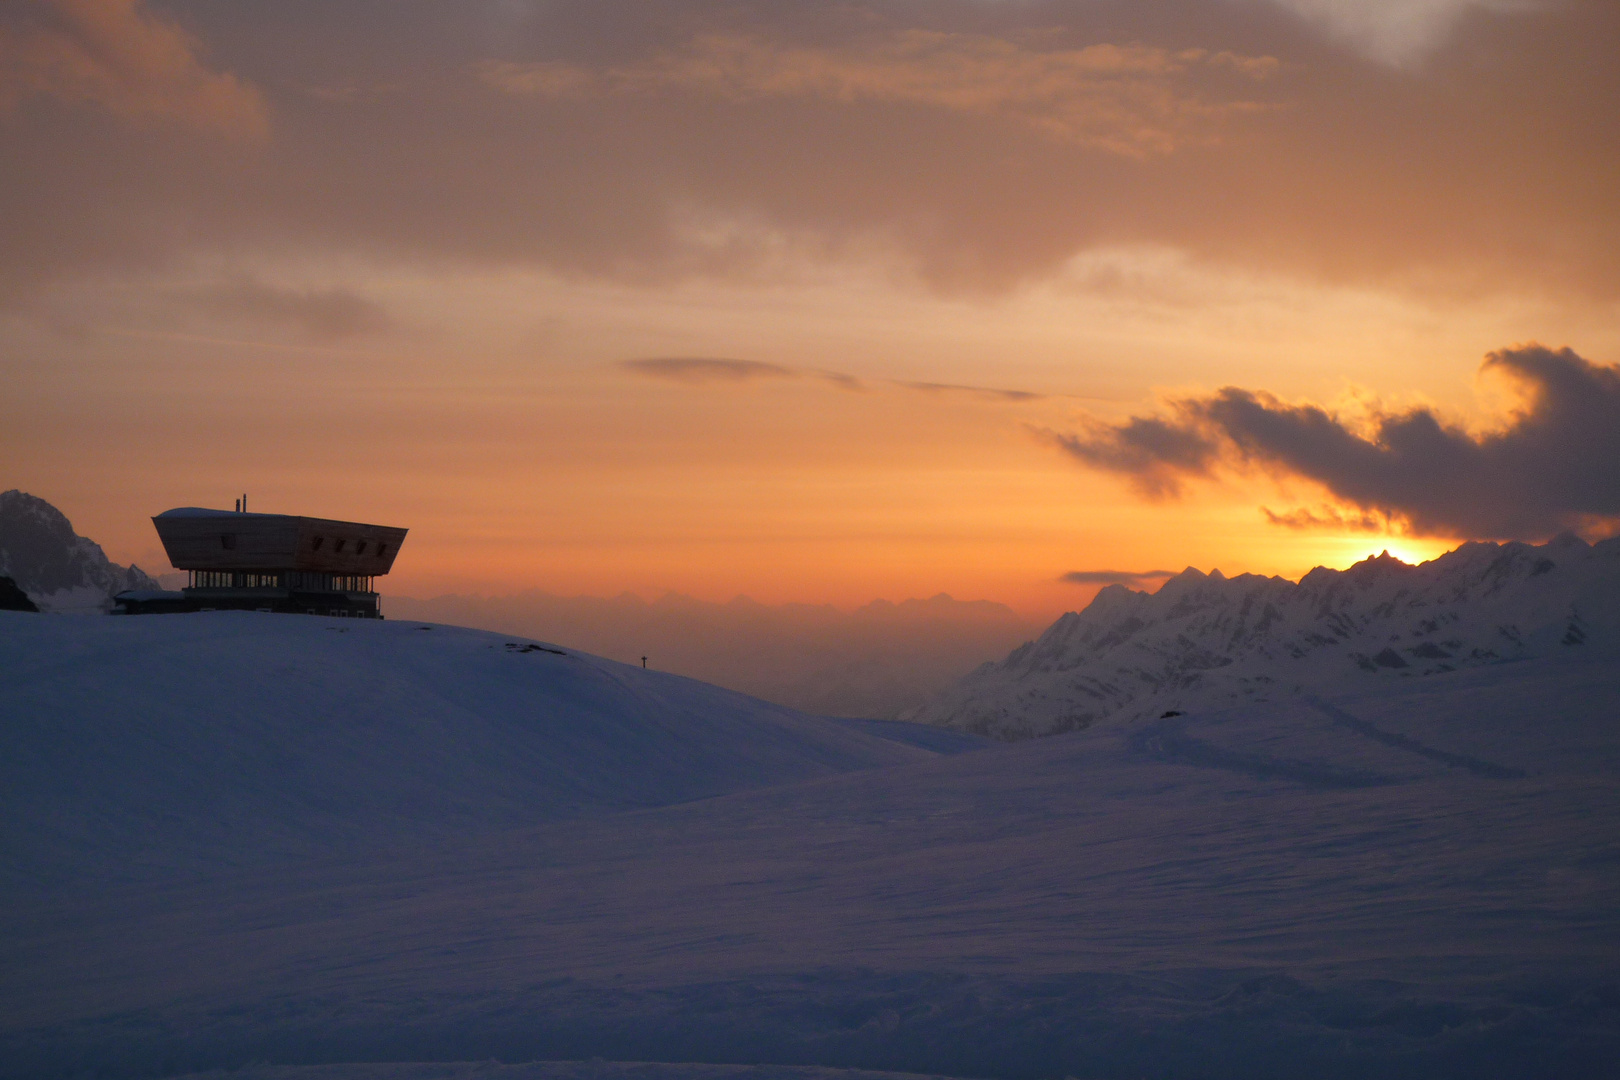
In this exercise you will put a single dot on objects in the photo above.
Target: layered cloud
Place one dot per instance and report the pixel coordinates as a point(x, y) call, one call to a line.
point(1551, 466)
point(969, 147)
point(118, 56)
point(1128, 99)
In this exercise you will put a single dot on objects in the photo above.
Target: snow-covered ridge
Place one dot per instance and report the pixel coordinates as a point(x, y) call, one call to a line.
point(60, 570)
point(1207, 640)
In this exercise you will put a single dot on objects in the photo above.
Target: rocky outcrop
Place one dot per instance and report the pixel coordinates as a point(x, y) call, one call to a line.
point(58, 569)
point(13, 598)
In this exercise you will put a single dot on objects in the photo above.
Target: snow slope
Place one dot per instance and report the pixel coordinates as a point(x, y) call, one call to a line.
point(1208, 640)
point(1416, 878)
point(60, 570)
point(231, 737)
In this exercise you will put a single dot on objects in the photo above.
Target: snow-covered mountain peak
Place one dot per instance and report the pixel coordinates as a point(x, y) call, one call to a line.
point(1206, 639)
point(60, 570)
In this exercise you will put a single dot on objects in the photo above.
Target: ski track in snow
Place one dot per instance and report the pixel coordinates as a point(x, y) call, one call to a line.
point(232, 838)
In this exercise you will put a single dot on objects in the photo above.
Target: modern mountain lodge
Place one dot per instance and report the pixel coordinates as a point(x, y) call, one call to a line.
point(269, 562)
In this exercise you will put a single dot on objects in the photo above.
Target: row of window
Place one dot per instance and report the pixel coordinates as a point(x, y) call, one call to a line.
point(227, 541)
point(298, 580)
point(359, 546)
point(342, 613)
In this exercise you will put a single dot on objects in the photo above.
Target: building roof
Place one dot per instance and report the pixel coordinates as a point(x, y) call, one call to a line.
point(200, 511)
point(197, 538)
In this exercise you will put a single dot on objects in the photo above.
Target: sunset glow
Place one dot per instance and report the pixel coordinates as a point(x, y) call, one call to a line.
point(802, 309)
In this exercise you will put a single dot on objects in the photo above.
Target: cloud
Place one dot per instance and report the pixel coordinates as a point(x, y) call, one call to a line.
point(1127, 99)
point(1114, 577)
point(1551, 466)
point(703, 369)
point(327, 313)
point(1329, 517)
point(985, 392)
point(1397, 32)
point(1155, 453)
point(117, 55)
point(928, 164)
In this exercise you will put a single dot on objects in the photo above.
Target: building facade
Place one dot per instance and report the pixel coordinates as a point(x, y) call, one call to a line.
point(269, 562)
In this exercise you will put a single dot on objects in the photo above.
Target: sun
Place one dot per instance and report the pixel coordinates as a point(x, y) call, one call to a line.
point(1408, 550)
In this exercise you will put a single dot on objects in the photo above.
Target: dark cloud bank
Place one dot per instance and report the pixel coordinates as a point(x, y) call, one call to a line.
point(1554, 465)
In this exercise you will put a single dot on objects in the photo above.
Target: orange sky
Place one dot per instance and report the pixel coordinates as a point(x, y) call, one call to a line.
point(398, 277)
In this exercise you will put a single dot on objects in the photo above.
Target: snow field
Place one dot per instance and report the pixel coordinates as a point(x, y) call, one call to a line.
point(1419, 879)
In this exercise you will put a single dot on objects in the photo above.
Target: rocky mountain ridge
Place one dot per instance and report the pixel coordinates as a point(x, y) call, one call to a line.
point(1205, 640)
point(58, 569)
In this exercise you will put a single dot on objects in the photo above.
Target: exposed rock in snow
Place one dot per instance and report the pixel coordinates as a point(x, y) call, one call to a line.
point(1207, 640)
point(60, 570)
point(13, 598)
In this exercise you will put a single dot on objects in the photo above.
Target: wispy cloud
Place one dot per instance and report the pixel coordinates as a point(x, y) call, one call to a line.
point(1114, 577)
point(700, 370)
point(118, 56)
point(1128, 99)
point(1550, 467)
point(1330, 518)
point(705, 369)
point(325, 313)
point(986, 392)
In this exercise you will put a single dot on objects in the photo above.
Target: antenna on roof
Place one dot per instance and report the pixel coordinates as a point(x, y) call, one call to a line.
point(238, 506)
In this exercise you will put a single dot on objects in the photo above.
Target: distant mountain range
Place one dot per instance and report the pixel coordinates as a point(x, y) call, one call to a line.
point(1205, 640)
point(58, 569)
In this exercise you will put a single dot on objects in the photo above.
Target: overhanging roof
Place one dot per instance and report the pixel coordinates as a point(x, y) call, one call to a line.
point(200, 539)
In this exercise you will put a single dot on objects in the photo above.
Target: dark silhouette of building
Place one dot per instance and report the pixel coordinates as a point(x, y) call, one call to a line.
point(269, 562)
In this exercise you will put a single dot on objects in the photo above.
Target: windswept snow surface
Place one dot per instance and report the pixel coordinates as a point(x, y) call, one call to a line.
point(1416, 879)
point(1205, 640)
point(233, 737)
